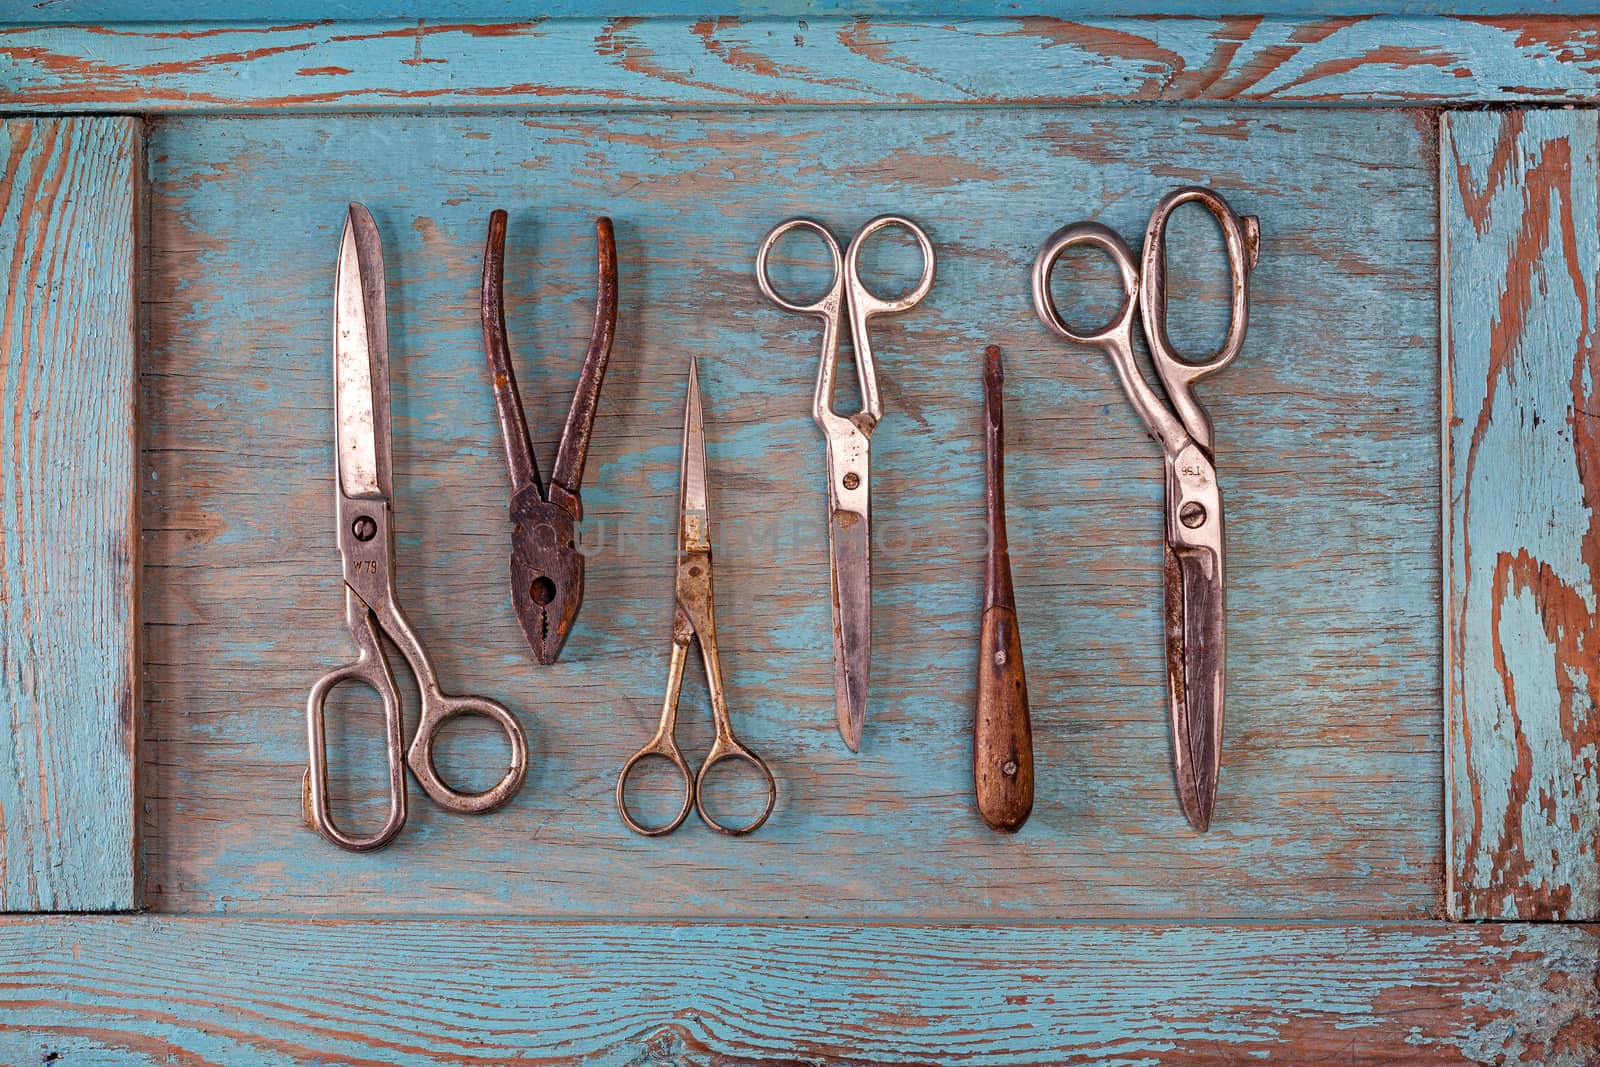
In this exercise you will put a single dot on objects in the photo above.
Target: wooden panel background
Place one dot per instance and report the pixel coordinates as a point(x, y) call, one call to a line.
point(144, 11)
point(286, 992)
point(732, 62)
point(1522, 260)
point(1329, 803)
point(1331, 794)
point(68, 659)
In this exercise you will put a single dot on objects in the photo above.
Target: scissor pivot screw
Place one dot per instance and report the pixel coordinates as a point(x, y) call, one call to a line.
point(364, 528)
point(852, 480)
point(1192, 515)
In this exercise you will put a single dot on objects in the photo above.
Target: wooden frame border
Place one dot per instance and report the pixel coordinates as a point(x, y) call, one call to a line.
point(69, 664)
point(1518, 212)
point(777, 62)
point(292, 991)
point(1520, 293)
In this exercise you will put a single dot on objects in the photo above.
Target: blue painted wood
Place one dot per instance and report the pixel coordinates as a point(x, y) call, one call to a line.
point(1330, 796)
point(1522, 262)
point(782, 62)
point(63, 12)
point(287, 992)
point(68, 665)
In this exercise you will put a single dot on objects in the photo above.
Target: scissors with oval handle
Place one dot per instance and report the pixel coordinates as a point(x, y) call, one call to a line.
point(694, 617)
point(366, 542)
point(848, 300)
point(1195, 561)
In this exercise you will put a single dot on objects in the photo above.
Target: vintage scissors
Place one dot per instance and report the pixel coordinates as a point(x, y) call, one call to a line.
point(366, 541)
point(694, 617)
point(546, 566)
point(849, 524)
point(1195, 565)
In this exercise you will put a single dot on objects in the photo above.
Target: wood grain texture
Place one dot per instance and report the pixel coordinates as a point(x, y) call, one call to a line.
point(108, 12)
point(68, 659)
point(1522, 262)
point(425, 992)
point(763, 62)
point(1330, 796)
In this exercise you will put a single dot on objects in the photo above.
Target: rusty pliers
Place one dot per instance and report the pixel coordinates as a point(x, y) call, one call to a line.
point(546, 566)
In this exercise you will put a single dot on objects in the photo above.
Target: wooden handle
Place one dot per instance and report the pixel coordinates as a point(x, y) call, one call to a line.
point(1002, 735)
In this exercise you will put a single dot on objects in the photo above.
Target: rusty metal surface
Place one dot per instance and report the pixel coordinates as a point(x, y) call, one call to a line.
point(547, 567)
point(1195, 560)
point(365, 532)
point(847, 300)
point(694, 618)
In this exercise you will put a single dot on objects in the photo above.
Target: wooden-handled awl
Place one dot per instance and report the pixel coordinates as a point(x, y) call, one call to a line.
point(1002, 736)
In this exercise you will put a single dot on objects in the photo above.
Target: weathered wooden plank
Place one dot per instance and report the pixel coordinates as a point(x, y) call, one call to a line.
point(109, 12)
point(1522, 259)
point(389, 991)
point(729, 62)
point(68, 661)
point(1330, 795)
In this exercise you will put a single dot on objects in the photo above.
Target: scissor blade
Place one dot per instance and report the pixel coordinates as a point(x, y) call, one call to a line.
point(361, 360)
point(850, 544)
point(692, 521)
point(1196, 648)
point(360, 363)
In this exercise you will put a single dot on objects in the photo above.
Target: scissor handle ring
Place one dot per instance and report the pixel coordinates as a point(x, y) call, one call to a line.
point(1107, 240)
point(660, 747)
point(314, 786)
point(1240, 238)
point(439, 710)
point(722, 752)
point(871, 303)
point(825, 305)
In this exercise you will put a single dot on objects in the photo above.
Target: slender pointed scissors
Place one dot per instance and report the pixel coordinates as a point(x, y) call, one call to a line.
point(546, 566)
point(1195, 560)
point(366, 541)
point(694, 617)
point(849, 441)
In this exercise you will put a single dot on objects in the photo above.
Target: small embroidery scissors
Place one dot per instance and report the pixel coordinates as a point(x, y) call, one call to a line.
point(1195, 567)
point(366, 541)
point(849, 440)
point(546, 566)
point(694, 617)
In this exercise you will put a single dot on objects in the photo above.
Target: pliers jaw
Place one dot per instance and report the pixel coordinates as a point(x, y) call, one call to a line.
point(546, 573)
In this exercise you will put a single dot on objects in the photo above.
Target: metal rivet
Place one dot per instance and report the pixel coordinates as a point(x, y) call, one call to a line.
point(1010, 769)
point(999, 657)
point(852, 480)
point(1192, 514)
point(364, 528)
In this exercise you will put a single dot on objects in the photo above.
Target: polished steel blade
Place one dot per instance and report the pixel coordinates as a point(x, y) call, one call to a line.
point(850, 545)
point(361, 361)
point(693, 528)
point(1196, 657)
